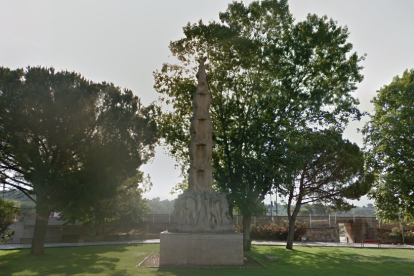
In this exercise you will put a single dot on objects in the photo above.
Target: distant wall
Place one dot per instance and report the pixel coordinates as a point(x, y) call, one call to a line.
point(323, 234)
point(319, 228)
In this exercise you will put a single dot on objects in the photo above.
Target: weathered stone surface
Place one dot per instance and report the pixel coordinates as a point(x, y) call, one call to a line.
point(201, 145)
point(201, 231)
point(201, 209)
point(201, 249)
point(323, 234)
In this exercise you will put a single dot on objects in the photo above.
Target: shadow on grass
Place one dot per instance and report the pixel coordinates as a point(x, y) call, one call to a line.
point(316, 261)
point(337, 261)
point(85, 260)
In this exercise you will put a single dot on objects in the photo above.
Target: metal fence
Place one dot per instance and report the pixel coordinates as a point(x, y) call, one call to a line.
point(328, 221)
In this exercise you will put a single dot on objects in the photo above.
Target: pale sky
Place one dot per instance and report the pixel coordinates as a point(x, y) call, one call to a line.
point(125, 41)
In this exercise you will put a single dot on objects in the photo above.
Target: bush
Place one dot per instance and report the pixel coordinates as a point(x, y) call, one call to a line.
point(7, 212)
point(396, 233)
point(275, 232)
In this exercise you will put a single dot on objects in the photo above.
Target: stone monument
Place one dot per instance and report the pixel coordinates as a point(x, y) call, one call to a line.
point(201, 231)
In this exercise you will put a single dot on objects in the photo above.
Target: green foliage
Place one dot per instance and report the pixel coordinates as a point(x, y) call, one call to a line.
point(126, 206)
point(268, 76)
point(389, 141)
point(270, 79)
point(70, 141)
point(19, 197)
point(8, 210)
point(275, 232)
point(397, 233)
point(324, 168)
point(161, 206)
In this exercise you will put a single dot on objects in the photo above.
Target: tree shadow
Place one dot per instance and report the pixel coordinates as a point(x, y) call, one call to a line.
point(337, 261)
point(315, 261)
point(85, 260)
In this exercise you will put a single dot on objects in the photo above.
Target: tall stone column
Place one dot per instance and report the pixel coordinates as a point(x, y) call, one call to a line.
point(201, 145)
point(201, 209)
point(201, 232)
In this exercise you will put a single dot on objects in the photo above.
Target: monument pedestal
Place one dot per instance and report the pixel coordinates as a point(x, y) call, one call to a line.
point(201, 249)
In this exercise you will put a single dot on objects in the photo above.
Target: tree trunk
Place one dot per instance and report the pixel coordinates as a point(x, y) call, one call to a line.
point(291, 234)
point(246, 233)
point(38, 241)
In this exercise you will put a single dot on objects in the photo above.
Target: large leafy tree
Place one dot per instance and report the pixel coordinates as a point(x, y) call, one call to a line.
point(70, 141)
point(389, 138)
point(126, 206)
point(321, 168)
point(267, 75)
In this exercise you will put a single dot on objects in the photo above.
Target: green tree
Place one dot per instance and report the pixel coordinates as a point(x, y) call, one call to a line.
point(267, 76)
point(323, 169)
point(70, 141)
point(126, 206)
point(161, 206)
point(389, 141)
point(8, 211)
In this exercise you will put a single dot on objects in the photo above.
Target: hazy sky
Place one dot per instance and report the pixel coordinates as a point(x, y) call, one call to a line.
point(125, 41)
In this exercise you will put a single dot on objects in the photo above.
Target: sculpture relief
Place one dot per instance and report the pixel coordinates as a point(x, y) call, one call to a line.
point(200, 209)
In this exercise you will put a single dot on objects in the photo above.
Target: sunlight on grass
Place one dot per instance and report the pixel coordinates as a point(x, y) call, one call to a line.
point(123, 260)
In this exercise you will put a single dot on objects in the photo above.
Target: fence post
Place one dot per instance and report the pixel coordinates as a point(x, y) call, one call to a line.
point(329, 217)
point(310, 220)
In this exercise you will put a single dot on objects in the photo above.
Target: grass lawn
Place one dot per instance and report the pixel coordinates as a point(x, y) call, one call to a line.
point(122, 260)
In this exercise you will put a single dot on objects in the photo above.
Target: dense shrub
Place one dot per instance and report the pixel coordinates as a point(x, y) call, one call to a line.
point(8, 210)
point(275, 232)
point(396, 233)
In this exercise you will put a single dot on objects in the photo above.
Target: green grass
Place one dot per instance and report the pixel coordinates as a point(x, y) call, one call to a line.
point(122, 260)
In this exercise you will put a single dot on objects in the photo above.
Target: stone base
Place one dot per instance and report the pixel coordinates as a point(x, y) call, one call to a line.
point(201, 211)
point(201, 249)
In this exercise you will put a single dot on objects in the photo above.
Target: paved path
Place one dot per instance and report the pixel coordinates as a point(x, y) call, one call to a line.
point(155, 241)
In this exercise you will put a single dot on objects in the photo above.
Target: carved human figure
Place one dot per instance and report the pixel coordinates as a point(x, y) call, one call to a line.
point(215, 208)
point(179, 211)
point(207, 208)
point(200, 208)
point(199, 204)
point(208, 178)
point(202, 106)
point(202, 77)
point(199, 154)
point(201, 130)
point(191, 209)
point(224, 208)
point(176, 214)
point(192, 179)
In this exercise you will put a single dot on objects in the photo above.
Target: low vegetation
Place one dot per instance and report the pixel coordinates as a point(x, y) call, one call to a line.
point(274, 231)
point(123, 260)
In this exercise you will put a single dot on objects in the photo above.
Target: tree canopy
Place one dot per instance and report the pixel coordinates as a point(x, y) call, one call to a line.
point(268, 76)
point(322, 168)
point(389, 141)
point(69, 140)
